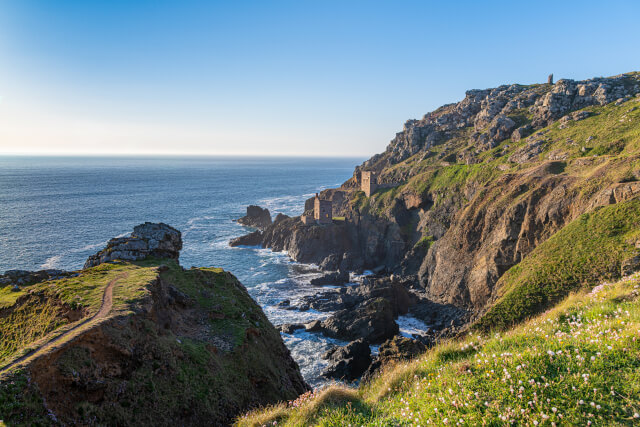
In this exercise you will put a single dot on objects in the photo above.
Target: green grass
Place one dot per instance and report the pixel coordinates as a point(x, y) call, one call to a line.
point(577, 363)
point(425, 242)
point(219, 292)
point(589, 249)
point(217, 359)
point(8, 296)
point(28, 323)
point(49, 306)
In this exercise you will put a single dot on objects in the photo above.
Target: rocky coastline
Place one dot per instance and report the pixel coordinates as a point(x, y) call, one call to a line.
point(465, 194)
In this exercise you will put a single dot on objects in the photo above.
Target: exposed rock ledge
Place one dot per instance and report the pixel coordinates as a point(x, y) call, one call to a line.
point(147, 240)
point(256, 217)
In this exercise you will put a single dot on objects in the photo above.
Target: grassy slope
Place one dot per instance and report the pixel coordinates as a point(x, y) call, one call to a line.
point(42, 309)
point(478, 380)
point(577, 363)
point(588, 250)
point(184, 375)
point(599, 150)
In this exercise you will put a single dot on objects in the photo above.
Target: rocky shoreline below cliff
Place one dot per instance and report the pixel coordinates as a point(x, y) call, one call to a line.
point(464, 194)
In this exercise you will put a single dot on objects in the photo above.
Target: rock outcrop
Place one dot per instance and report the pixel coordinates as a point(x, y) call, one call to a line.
point(147, 240)
point(24, 278)
point(251, 239)
point(348, 362)
point(372, 320)
point(394, 350)
point(256, 217)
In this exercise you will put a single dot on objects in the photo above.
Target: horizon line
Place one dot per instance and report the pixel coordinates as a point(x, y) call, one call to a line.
point(290, 155)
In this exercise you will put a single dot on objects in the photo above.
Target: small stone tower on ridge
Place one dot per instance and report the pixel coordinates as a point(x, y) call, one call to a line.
point(368, 182)
point(322, 211)
point(550, 79)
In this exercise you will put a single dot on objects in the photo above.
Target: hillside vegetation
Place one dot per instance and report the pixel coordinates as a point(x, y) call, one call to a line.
point(511, 205)
point(605, 146)
point(577, 364)
point(590, 249)
point(176, 344)
point(47, 309)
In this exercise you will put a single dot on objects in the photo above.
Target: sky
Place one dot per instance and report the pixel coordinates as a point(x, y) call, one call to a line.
point(302, 78)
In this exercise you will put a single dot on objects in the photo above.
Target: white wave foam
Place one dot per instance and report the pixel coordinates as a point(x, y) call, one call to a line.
point(410, 326)
point(51, 262)
point(306, 347)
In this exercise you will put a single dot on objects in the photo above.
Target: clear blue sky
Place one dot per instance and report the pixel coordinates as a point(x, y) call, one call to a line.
point(278, 77)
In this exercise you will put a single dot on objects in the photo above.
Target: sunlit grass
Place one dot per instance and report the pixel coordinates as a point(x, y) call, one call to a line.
point(578, 364)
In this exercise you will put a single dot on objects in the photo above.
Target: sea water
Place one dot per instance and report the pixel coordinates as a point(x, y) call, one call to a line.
point(56, 211)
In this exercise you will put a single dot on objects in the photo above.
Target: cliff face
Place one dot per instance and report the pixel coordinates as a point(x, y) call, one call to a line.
point(491, 116)
point(474, 187)
point(144, 343)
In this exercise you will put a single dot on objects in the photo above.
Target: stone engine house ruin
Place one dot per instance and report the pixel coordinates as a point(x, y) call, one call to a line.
point(322, 211)
point(368, 182)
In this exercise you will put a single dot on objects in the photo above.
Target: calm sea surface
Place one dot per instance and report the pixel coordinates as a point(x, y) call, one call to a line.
point(56, 211)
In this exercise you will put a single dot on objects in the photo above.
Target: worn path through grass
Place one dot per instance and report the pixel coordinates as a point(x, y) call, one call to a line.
point(105, 308)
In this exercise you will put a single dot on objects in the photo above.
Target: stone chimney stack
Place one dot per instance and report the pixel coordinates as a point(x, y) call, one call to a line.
point(550, 79)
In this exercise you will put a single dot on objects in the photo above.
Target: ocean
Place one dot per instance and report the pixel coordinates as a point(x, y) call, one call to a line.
point(56, 211)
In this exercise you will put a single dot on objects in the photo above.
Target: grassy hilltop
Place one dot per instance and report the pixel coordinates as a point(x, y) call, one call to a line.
point(176, 344)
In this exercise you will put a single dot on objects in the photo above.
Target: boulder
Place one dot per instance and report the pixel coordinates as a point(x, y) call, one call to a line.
point(336, 278)
point(521, 132)
point(397, 348)
point(289, 328)
point(313, 326)
point(256, 217)
point(500, 129)
point(348, 362)
point(373, 320)
point(147, 240)
point(251, 239)
point(280, 217)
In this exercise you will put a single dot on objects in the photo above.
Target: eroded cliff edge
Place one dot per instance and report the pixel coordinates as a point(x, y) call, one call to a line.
point(172, 345)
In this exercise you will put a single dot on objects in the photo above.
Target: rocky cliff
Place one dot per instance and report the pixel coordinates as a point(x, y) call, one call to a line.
point(472, 188)
point(140, 342)
point(147, 240)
